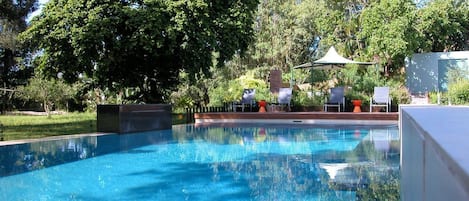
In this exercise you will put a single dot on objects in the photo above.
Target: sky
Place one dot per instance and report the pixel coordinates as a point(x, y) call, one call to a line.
point(43, 2)
point(38, 11)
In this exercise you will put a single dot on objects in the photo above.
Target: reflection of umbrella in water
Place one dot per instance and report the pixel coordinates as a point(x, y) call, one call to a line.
point(343, 176)
point(333, 168)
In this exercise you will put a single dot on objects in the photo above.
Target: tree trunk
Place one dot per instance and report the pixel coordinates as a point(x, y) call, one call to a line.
point(47, 108)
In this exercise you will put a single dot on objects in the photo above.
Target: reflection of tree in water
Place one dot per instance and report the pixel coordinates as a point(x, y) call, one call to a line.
point(217, 135)
point(237, 135)
point(272, 177)
point(381, 172)
point(266, 176)
point(384, 185)
point(373, 175)
point(26, 157)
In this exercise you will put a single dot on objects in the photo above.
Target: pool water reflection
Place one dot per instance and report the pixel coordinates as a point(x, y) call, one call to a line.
point(215, 162)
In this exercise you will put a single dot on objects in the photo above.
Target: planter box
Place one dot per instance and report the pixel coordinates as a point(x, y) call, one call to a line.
point(133, 118)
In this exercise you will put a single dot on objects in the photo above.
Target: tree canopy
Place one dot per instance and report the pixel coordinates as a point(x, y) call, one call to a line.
point(387, 27)
point(138, 44)
point(147, 47)
point(12, 22)
point(385, 31)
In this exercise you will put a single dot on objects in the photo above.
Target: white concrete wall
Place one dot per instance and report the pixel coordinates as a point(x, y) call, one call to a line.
point(422, 70)
point(434, 153)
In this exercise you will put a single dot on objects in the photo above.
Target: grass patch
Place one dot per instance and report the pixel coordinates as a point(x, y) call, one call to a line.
point(16, 127)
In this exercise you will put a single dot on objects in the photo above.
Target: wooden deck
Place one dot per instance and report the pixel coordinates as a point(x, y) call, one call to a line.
point(298, 117)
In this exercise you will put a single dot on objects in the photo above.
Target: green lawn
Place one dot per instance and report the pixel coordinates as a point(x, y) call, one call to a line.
point(15, 127)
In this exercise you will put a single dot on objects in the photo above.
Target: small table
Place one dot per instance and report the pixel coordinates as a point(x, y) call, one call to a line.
point(357, 105)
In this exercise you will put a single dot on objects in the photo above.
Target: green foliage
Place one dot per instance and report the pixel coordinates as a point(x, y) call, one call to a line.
point(363, 80)
point(13, 15)
point(227, 91)
point(458, 92)
point(458, 88)
point(47, 92)
point(29, 127)
point(319, 76)
point(360, 78)
point(113, 43)
point(443, 25)
point(438, 98)
point(191, 93)
point(353, 94)
point(305, 98)
point(387, 27)
point(138, 44)
point(95, 96)
point(284, 29)
point(400, 95)
point(388, 190)
point(232, 90)
point(263, 93)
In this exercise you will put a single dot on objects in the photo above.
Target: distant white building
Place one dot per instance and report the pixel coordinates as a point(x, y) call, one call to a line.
point(427, 72)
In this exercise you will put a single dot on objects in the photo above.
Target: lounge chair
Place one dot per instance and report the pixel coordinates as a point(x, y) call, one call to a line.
point(336, 99)
point(248, 99)
point(380, 98)
point(284, 97)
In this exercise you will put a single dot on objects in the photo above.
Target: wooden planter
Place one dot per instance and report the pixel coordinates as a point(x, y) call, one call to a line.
point(133, 118)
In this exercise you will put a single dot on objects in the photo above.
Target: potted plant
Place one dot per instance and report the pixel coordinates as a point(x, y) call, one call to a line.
point(355, 98)
point(265, 95)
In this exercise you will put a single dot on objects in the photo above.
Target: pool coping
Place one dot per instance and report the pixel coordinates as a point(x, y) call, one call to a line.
point(57, 137)
point(363, 118)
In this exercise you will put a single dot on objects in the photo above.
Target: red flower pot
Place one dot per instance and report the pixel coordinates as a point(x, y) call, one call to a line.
point(262, 104)
point(357, 104)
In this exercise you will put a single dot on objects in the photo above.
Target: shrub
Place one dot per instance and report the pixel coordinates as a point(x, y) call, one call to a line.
point(357, 95)
point(400, 95)
point(230, 91)
point(458, 92)
point(49, 93)
point(433, 97)
point(305, 98)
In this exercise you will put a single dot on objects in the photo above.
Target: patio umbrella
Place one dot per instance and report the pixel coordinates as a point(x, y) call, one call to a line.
point(331, 60)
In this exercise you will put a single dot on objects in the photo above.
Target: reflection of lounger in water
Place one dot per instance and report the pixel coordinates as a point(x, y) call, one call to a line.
point(381, 139)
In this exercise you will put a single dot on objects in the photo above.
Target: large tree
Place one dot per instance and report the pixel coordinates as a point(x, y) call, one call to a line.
point(138, 44)
point(388, 29)
point(284, 29)
point(444, 26)
point(13, 14)
point(12, 21)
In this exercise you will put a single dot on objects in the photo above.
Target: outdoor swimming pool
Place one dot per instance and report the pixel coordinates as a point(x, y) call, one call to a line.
point(218, 162)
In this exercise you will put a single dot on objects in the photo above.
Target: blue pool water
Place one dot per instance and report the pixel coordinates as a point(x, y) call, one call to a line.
point(229, 162)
